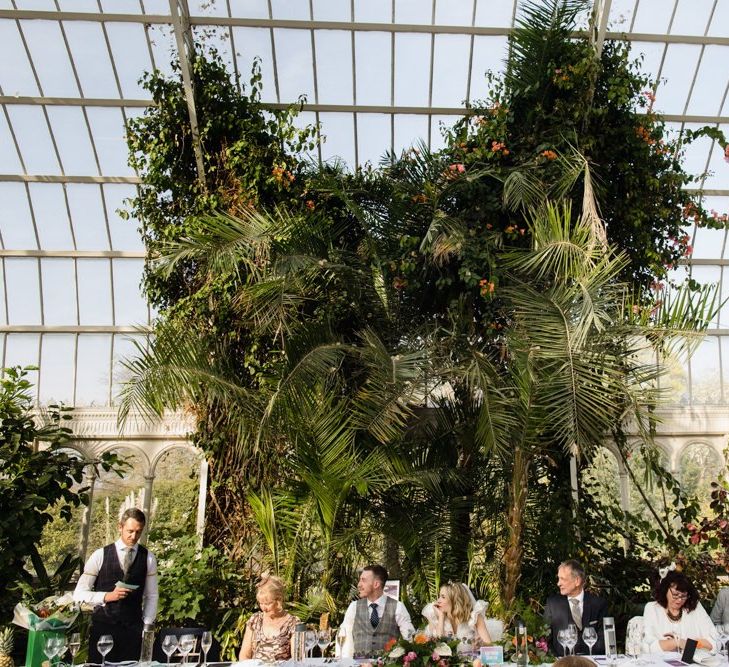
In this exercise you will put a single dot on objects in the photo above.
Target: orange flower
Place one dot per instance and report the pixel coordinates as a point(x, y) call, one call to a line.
point(310, 204)
point(390, 644)
point(550, 155)
point(420, 638)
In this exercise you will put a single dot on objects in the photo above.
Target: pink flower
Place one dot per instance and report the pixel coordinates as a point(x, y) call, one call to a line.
point(541, 644)
point(409, 657)
point(435, 657)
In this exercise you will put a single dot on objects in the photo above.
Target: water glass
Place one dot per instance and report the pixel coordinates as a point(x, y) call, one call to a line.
point(186, 645)
point(74, 645)
point(206, 641)
point(104, 645)
point(323, 640)
point(589, 636)
point(562, 638)
point(169, 646)
point(310, 641)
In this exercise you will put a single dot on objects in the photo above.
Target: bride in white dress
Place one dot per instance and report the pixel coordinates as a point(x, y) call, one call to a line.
point(457, 613)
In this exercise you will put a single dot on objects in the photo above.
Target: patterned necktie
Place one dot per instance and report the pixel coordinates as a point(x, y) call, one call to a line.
point(374, 616)
point(128, 560)
point(576, 615)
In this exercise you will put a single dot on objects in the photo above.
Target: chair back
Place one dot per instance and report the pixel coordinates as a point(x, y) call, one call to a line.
point(635, 631)
point(495, 626)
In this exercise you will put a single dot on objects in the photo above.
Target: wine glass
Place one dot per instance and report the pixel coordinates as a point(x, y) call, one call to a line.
point(589, 636)
point(187, 644)
point(341, 639)
point(60, 646)
point(562, 638)
point(323, 640)
point(722, 636)
point(169, 646)
point(310, 641)
point(50, 647)
point(571, 638)
point(74, 644)
point(104, 645)
point(206, 641)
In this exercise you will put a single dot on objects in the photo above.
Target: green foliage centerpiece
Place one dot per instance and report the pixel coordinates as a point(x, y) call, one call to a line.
point(423, 651)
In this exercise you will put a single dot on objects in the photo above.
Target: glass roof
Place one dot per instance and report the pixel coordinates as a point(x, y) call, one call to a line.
point(377, 74)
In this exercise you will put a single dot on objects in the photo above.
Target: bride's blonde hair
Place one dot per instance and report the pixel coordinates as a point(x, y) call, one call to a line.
point(461, 605)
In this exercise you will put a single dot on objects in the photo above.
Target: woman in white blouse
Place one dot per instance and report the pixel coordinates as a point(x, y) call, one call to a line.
point(457, 613)
point(676, 616)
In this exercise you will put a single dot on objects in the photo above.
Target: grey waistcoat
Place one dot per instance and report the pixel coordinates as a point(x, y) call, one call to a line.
point(369, 640)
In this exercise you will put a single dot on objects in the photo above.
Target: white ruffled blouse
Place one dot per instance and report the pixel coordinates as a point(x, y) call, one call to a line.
point(466, 630)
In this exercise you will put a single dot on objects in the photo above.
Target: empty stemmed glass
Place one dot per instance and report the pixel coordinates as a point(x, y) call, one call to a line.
point(571, 638)
point(169, 646)
point(310, 641)
point(324, 638)
point(51, 647)
point(187, 644)
point(589, 636)
point(74, 645)
point(562, 638)
point(60, 647)
point(104, 645)
point(206, 641)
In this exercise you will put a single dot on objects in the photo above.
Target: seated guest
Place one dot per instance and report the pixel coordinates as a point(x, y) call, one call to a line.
point(720, 610)
point(676, 616)
point(574, 661)
point(457, 613)
point(370, 622)
point(574, 605)
point(269, 631)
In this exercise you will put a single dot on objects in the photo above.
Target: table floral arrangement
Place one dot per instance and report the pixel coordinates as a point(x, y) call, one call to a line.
point(51, 613)
point(423, 651)
point(537, 645)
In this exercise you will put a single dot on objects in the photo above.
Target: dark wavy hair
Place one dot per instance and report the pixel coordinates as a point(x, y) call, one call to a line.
point(681, 583)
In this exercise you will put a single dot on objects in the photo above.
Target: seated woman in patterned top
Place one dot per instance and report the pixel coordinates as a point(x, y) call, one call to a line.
point(268, 632)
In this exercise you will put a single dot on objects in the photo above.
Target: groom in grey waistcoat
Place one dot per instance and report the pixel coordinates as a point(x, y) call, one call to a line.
point(375, 618)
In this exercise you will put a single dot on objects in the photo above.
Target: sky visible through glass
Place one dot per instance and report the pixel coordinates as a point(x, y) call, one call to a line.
point(378, 75)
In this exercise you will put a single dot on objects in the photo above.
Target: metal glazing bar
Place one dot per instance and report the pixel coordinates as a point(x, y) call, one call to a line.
point(53, 178)
point(74, 329)
point(70, 254)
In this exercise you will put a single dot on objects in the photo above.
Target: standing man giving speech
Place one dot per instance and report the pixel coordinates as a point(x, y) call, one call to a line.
point(120, 581)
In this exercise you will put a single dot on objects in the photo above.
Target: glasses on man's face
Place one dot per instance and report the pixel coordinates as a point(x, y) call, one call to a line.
point(677, 595)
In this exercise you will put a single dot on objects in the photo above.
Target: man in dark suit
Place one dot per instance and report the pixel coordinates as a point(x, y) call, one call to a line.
point(574, 605)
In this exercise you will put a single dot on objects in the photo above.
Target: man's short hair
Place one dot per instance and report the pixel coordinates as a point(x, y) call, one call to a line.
point(378, 572)
point(576, 567)
point(133, 513)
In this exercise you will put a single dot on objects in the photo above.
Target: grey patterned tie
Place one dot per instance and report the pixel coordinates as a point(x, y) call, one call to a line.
point(576, 615)
point(128, 560)
point(374, 616)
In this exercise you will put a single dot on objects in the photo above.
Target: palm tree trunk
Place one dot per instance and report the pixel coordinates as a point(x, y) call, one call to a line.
point(517, 502)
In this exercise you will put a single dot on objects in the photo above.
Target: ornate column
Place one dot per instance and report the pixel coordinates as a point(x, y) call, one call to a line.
point(83, 541)
point(147, 509)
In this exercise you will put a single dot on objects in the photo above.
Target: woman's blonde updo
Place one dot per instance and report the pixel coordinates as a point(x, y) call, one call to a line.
point(461, 605)
point(271, 589)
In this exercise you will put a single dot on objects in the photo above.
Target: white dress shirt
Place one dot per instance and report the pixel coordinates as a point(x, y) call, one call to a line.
point(402, 618)
point(84, 588)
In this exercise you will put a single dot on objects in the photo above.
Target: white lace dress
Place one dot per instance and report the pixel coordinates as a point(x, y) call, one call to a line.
point(465, 631)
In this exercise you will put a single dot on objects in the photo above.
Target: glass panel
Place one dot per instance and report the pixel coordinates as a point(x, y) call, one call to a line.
point(334, 66)
point(16, 225)
point(124, 233)
point(251, 42)
point(73, 141)
point(93, 371)
point(697, 152)
point(307, 119)
point(22, 350)
point(94, 291)
point(653, 17)
point(131, 54)
point(488, 54)
point(332, 10)
point(437, 141)
point(50, 58)
point(408, 130)
point(675, 382)
point(130, 307)
point(454, 12)
point(692, 17)
point(56, 369)
point(254, 9)
point(59, 291)
point(295, 65)
point(9, 160)
point(705, 372)
point(373, 11)
point(51, 216)
point(285, 9)
point(162, 40)
point(16, 76)
point(621, 14)
point(207, 8)
point(698, 466)
point(496, 13)
point(21, 279)
point(708, 243)
point(161, 7)
point(217, 38)
point(34, 140)
point(3, 312)
point(373, 137)
point(40, 5)
point(652, 54)
point(412, 68)
point(720, 20)
point(78, 6)
point(339, 131)
point(372, 51)
point(124, 348)
point(711, 82)
point(450, 70)
point(107, 129)
point(706, 275)
point(91, 58)
point(678, 71)
point(111, 6)
point(717, 177)
point(414, 11)
point(87, 215)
